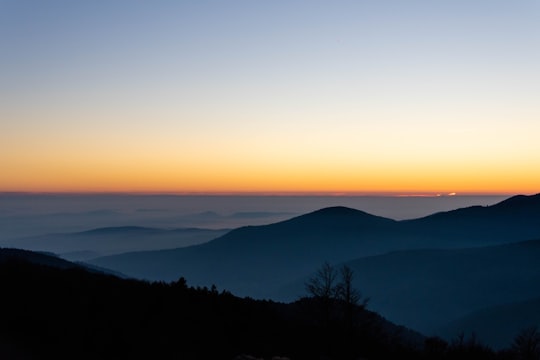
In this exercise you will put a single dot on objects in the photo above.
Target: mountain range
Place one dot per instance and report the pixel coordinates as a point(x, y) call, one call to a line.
point(83, 245)
point(454, 262)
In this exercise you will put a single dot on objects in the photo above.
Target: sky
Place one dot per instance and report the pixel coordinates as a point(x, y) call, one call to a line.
point(333, 97)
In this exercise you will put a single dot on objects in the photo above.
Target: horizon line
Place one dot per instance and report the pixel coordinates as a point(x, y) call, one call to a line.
point(401, 194)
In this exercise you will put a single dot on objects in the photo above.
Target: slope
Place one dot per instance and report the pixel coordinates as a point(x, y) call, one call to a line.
point(497, 326)
point(114, 240)
point(257, 260)
point(426, 289)
point(514, 219)
point(253, 260)
point(65, 313)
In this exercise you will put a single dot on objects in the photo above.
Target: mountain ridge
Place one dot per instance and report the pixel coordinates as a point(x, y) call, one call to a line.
point(114, 240)
point(258, 261)
point(55, 312)
point(460, 281)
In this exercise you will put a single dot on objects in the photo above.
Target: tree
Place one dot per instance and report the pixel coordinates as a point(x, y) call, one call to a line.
point(345, 290)
point(351, 302)
point(323, 288)
point(339, 303)
point(322, 285)
point(527, 344)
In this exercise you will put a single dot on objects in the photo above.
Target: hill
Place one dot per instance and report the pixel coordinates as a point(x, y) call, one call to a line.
point(20, 256)
point(252, 260)
point(9, 255)
point(427, 289)
point(258, 260)
point(68, 312)
point(113, 240)
point(514, 219)
point(496, 326)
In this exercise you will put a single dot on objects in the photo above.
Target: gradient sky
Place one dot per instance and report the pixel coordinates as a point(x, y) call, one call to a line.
point(270, 96)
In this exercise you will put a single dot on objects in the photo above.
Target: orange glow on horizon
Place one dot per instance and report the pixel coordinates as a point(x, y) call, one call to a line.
point(256, 166)
point(188, 108)
point(148, 179)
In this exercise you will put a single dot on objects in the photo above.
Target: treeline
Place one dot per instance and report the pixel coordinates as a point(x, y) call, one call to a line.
point(71, 313)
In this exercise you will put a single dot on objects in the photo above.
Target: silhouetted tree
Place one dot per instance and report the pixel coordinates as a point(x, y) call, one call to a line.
point(345, 290)
point(435, 347)
point(181, 283)
point(526, 345)
point(351, 302)
point(339, 304)
point(469, 348)
point(322, 285)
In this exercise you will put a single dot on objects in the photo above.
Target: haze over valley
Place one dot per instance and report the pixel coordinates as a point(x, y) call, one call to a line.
point(431, 274)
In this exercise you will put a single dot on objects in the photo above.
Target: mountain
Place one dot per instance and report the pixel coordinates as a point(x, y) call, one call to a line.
point(496, 326)
point(428, 289)
point(254, 260)
point(489, 291)
point(17, 255)
point(416, 272)
point(258, 260)
point(514, 219)
point(62, 313)
point(113, 240)
point(20, 256)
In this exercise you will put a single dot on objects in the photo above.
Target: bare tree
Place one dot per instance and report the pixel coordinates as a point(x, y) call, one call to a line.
point(323, 284)
point(339, 304)
point(345, 290)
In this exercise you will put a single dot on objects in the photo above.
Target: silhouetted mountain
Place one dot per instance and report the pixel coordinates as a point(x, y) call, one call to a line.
point(427, 289)
point(257, 260)
point(522, 203)
point(120, 230)
point(113, 240)
point(79, 255)
point(18, 255)
point(498, 325)
point(413, 271)
point(71, 313)
point(257, 214)
point(253, 260)
point(514, 219)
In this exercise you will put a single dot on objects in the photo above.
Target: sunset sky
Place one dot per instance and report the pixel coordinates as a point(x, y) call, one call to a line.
point(378, 96)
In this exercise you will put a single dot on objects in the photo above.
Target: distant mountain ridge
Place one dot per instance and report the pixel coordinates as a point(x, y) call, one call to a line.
point(256, 260)
point(529, 202)
point(113, 240)
point(516, 205)
point(427, 288)
point(260, 261)
point(496, 326)
point(271, 253)
point(119, 229)
point(514, 219)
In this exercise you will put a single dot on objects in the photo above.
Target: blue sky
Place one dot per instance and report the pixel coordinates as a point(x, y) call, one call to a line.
point(325, 86)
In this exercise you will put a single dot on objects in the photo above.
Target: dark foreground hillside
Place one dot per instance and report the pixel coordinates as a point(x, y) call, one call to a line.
point(61, 313)
point(51, 312)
